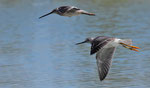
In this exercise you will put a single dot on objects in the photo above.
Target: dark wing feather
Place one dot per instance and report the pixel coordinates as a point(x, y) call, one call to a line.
point(73, 9)
point(98, 43)
point(63, 9)
point(104, 60)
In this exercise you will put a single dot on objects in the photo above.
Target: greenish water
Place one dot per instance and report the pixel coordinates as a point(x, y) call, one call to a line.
point(41, 53)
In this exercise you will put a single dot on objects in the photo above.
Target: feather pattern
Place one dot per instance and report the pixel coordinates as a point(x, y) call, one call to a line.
point(98, 43)
point(104, 60)
point(63, 9)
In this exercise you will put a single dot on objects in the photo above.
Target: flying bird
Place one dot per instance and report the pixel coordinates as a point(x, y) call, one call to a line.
point(105, 47)
point(68, 11)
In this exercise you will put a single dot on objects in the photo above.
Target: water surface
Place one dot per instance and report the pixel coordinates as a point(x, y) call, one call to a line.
point(41, 53)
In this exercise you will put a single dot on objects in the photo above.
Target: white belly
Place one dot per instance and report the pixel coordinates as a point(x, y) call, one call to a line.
point(70, 14)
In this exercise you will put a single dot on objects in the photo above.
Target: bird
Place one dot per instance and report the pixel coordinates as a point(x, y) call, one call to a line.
point(105, 47)
point(68, 11)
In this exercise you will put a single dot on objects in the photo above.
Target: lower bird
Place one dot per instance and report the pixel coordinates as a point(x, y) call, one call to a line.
point(104, 47)
point(68, 11)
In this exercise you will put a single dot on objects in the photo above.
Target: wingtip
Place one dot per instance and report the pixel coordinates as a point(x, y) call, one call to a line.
point(102, 79)
point(91, 53)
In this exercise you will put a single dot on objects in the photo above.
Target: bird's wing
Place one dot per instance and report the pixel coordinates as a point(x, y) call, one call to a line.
point(98, 44)
point(104, 60)
point(63, 9)
point(73, 9)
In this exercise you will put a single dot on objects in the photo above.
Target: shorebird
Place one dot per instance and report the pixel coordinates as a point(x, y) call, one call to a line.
point(68, 11)
point(104, 47)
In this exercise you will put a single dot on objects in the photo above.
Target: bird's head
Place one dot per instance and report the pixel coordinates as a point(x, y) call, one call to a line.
point(87, 40)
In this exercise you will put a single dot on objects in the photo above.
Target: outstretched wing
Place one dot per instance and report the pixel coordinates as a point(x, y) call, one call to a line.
point(63, 9)
point(104, 60)
point(98, 43)
point(73, 9)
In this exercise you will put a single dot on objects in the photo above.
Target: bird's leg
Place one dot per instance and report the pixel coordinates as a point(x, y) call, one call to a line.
point(91, 14)
point(134, 48)
point(85, 12)
point(130, 46)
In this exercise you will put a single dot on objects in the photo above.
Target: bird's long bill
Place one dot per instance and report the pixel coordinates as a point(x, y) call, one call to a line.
point(46, 14)
point(81, 42)
point(134, 48)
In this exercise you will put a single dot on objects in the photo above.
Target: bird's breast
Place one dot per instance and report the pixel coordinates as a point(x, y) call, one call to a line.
point(70, 14)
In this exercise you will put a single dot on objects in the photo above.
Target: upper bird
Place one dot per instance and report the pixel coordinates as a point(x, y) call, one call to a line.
point(104, 47)
point(68, 11)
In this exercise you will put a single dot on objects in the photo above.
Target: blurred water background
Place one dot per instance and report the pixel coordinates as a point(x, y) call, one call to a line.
point(41, 53)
